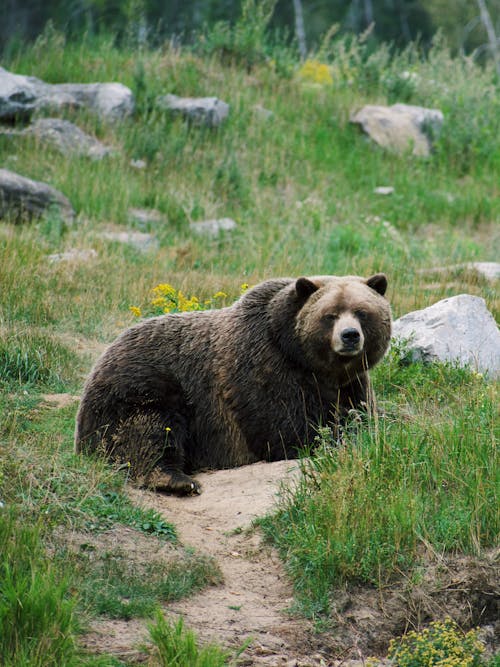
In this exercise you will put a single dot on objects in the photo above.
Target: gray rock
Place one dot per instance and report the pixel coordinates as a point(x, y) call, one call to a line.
point(17, 95)
point(262, 112)
point(208, 111)
point(488, 270)
point(21, 95)
point(23, 199)
point(140, 240)
point(213, 227)
point(384, 190)
point(67, 138)
point(401, 126)
point(138, 164)
point(145, 215)
point(73, 255)
point(459, 329)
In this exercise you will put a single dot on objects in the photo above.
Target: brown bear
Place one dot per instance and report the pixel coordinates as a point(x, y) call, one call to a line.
point(223, 388)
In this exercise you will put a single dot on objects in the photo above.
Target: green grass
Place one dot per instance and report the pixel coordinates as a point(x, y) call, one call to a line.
point(178, 647)
point(300, 187)
point(115, 586)
point(424, 475)
point(36, 615)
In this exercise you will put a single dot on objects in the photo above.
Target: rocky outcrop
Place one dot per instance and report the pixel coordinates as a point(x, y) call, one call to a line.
point(21, 96)
point(459, 329)
point(22, 199)
point(208, 111)
point(401, 127)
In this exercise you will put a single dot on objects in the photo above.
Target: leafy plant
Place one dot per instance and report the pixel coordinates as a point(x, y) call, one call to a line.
point(442, 643)
point(166, 299)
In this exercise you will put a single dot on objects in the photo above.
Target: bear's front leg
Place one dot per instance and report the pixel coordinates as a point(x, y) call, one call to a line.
point(153, 443)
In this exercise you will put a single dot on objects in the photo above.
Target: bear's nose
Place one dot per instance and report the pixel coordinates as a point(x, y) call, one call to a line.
point(350, 336)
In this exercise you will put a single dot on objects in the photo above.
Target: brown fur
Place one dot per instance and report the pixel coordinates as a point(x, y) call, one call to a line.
point(223, 388)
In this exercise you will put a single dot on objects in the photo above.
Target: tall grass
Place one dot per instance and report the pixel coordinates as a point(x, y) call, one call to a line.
point(37, 613)
point(178, 647)
point(414, 479)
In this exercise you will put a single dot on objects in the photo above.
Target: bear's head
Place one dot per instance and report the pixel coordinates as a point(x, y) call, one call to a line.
point(343, 323)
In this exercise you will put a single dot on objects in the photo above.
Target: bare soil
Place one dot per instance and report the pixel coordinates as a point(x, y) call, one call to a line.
point(253, 602)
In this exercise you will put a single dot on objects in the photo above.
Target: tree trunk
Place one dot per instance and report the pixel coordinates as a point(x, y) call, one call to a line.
point(299, 28)
point(490, 31)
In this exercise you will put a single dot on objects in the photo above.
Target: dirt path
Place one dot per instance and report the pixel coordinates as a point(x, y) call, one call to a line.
point(253, 600)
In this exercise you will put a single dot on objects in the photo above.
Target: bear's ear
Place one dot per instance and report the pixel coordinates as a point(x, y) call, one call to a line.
point(304, 288)
point(378, 282)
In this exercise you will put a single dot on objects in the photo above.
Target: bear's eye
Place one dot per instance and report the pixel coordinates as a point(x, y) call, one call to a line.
point(328, 318)
point(361, 314)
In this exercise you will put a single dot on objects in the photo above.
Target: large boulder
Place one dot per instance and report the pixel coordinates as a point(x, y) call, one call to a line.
point(21, 95)
point(23, 199)
point(208, 111)
point(400, 127)
point(459, 329)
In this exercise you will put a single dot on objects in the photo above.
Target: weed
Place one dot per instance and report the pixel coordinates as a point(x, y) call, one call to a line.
point(177, 647)
point(442, 643)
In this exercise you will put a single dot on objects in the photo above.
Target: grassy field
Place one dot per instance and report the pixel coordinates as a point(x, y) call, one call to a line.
point(300, 185)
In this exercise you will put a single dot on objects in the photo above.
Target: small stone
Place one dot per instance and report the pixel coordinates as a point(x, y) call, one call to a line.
point(145, 215)
point(140, 240)
point(262, 112)
point(73, 255)
point(213, 227)
point(384, 190)
point(208, 111)
point(138, 164)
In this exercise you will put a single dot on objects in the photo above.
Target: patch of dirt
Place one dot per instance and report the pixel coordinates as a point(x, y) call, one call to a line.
point(59, 400)
point(253, 601)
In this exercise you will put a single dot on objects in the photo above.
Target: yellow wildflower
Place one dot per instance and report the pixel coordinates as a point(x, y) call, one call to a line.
point(316, 72)
point(243, 287)
point(164, 289)
point(135, 311)
point(159, 302)
point(220, 295)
